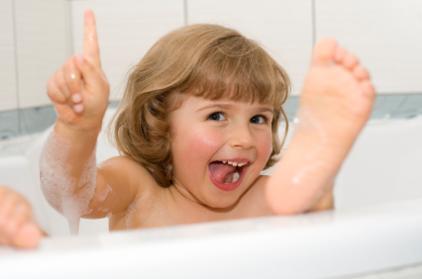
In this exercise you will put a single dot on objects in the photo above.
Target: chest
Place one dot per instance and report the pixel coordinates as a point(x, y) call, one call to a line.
point(164, 209)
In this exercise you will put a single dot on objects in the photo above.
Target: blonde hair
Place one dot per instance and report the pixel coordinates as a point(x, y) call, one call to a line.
point(204, 60)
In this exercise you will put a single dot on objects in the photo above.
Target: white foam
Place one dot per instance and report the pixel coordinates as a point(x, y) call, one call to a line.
point(314, 163)
point(104, 194)
point(58, 185)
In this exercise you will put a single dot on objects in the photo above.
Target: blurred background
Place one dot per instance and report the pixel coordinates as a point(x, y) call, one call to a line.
point(37, 36)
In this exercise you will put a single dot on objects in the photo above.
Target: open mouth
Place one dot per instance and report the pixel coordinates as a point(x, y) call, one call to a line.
point(227, 174)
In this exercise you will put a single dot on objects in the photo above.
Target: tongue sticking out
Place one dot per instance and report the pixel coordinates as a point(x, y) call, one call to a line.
point(224, 173)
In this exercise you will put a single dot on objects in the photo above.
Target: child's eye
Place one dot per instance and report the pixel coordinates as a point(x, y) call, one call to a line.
point(216, 116)
point(259, 119)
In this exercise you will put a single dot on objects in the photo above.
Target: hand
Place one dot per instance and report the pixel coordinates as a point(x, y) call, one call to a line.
point(79, 89)
point(17, 226)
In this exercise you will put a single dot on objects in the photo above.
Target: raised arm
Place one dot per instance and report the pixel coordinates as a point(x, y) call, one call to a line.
point(70, 180)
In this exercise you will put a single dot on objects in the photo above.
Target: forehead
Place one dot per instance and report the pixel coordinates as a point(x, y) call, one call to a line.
point(199, 103)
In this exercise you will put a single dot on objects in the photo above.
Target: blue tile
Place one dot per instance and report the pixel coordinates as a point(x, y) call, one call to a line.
point(9, 124)
point(31, 120)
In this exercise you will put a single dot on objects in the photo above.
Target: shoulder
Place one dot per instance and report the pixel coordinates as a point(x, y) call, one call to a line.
point(259, 184)
point(122, 165)
point(125, 171)
point(254, 202)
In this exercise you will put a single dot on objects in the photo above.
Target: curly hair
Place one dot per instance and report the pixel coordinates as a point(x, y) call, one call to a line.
point(205, 60)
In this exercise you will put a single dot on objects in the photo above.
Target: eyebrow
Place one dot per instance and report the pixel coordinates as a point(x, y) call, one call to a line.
point(228, 106)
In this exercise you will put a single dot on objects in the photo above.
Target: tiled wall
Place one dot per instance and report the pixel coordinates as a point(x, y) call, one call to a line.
point(8, 97)
point(38, 35)
point(32, 120)
point(386, 35)
point(25, 121)
point(34, 41)
point(127, 29)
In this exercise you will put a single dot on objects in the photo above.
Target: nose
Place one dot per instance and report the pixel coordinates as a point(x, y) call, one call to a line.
point(241, 137)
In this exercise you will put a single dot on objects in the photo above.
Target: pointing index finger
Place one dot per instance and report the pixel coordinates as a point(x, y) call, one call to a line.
point(90, 46)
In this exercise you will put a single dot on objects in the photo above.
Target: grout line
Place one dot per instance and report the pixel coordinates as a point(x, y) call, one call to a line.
point(16, 59)
point(185, 12)
point(69, 23)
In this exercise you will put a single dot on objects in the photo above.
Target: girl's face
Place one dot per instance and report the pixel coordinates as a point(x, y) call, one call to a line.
point(219, 148)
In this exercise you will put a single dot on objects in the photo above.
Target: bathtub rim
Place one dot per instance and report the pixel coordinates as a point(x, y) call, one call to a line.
point(391, 242)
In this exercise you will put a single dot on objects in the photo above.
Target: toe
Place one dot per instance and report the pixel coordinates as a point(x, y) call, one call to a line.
point(324, 51)
point(367, 88)
point(350, 61)
point(339, 55)
point(360, 73)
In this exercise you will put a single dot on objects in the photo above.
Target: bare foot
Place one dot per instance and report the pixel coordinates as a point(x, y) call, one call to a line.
point(335, 104)
point(337, 96)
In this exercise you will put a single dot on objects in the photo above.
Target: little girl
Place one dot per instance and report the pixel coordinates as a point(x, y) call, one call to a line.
point(17, 225)
point(196, 127)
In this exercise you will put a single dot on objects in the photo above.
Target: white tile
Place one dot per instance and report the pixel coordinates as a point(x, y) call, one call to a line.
point(127, 29)
point(385, 34)
point(7, 57)
point(43, 44)
point(283, 28)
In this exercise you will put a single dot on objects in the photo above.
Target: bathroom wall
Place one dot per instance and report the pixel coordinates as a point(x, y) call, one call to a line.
point(127, 29)
point(386, 34)
point(34, 41)
point(38, 35)
point(7, 57)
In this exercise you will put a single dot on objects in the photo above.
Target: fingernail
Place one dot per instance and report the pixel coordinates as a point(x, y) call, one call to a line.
point(78, 108)
point(72, 76)
point(76, 98)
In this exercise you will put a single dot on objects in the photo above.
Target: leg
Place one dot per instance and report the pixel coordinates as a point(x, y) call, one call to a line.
point(335, 104)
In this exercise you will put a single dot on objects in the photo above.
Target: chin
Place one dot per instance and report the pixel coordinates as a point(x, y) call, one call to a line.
point(223, 202)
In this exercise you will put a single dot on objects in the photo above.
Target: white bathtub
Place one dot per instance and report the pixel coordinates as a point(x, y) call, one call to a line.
point(375, 232)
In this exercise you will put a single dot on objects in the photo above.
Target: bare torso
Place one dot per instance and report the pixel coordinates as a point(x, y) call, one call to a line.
point(157, 207)
point(139, 202)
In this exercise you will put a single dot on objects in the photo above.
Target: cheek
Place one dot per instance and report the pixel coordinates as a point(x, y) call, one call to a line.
point(265, 146)
point(191, 148)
